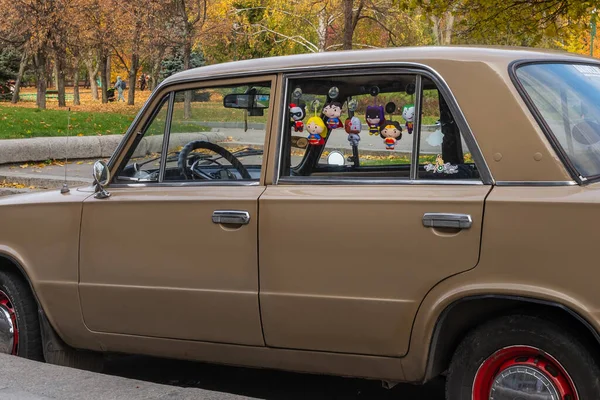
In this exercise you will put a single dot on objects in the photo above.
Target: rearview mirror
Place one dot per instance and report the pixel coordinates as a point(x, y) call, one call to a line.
point(251, 102)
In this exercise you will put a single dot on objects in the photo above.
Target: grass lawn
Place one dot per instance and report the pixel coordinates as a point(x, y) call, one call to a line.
point(18, 122)
point(394, 160)
point(404, 159)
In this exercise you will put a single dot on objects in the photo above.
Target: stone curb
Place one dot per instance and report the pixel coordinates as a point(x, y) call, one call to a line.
point(11, 191)
point(44, 181)
point(86, 147)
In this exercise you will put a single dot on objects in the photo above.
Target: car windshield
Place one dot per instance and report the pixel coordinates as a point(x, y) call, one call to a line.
point(567, 97)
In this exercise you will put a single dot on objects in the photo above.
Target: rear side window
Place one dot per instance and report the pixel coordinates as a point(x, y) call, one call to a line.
point(370, 127)
point(567, 98)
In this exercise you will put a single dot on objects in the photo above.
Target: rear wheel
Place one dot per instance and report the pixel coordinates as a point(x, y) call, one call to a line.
point(522, 357)
point(19, 324)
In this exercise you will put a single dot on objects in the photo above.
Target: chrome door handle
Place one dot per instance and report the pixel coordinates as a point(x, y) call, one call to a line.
point(441, 220)
point(231, 217)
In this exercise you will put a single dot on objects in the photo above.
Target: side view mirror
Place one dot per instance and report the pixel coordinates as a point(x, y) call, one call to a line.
point(101, 175)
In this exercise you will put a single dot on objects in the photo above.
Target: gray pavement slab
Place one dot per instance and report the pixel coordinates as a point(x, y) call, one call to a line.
point(22, 379)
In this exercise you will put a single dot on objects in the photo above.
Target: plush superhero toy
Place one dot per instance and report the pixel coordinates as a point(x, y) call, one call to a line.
point(332, 112)
point(374, 117)
point(317, 131)
point(297, 114)
point(391, 132)
point(408, 113)
point(353, 127)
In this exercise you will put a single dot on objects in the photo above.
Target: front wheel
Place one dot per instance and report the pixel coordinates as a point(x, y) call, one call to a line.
point(19, 323)
point(522, 357)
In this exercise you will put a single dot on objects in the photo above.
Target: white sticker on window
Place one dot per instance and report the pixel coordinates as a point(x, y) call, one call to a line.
point(587, 69)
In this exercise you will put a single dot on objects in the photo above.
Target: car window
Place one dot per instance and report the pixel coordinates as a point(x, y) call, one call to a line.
point(366, 126)
point(209, 141)
point(349, 126)
point(567, 97)
point(443, 153)
point(144, 162)
point(214, 134)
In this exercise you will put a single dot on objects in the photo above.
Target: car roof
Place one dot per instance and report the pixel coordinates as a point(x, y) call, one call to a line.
point(499, 55)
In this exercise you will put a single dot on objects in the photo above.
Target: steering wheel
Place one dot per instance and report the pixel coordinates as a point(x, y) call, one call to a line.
point(201, 144)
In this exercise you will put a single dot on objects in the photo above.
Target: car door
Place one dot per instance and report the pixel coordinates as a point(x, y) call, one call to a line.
point(347, 252)
point(172, 253)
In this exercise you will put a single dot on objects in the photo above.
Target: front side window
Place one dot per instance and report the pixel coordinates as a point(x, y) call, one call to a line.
point(214, 134)
point(567, 97)
point(144, 162)
point(368, 126)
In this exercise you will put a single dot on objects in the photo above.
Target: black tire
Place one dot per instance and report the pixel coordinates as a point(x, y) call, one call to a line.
point(26, 312)
point(522, 330)
point(57, 352)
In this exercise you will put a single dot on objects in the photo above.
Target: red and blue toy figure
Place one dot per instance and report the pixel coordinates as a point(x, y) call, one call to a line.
point(317, 131)
point(332, 112)
point(391, 132)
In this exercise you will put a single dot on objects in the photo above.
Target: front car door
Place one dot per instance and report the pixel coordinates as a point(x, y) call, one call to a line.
point(363, 242)
point(172, 252)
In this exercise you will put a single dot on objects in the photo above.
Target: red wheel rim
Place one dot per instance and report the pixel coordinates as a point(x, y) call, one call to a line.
point(7, 304)
point(522, 358)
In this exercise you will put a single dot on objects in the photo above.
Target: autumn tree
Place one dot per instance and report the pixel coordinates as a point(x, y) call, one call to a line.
point(97, 30)
point(29, 24)
point(518, 22)
point(188, 18)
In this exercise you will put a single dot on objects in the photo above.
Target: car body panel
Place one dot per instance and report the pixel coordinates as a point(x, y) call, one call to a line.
point(176, 266)
point(356, 279)
point(48, 254)
point(537, 243)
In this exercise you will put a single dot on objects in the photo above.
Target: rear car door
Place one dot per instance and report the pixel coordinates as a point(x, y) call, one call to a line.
point(172, 252)
point(347, 252)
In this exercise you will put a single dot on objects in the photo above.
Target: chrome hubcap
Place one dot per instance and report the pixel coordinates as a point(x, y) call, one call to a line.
point(7, 331)
point(521, 382)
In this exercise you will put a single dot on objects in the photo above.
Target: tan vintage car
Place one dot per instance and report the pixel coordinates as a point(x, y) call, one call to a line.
point(390, 214)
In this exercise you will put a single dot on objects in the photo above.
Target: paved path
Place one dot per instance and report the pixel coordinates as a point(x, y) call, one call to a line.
point(22, 379)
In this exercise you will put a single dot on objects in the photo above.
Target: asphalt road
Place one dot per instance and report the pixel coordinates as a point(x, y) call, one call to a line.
point(264, 384)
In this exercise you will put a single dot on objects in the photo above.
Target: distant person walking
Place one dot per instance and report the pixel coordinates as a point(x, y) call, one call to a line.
point(120, 86)
point(143, 82)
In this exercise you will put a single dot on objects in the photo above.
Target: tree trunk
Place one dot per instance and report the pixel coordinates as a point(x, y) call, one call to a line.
point(156, 66)
point(322, 30)
point(348, 22)
point(187, 105)
point(108, 69)
point(449, 27)
point(59, 64)
point(103, 63)
point(40, 77)
point(436, 29)
point(76, 100)
point(54, 74)
point(22, 65)
point(135, 65)
point(92, 75)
